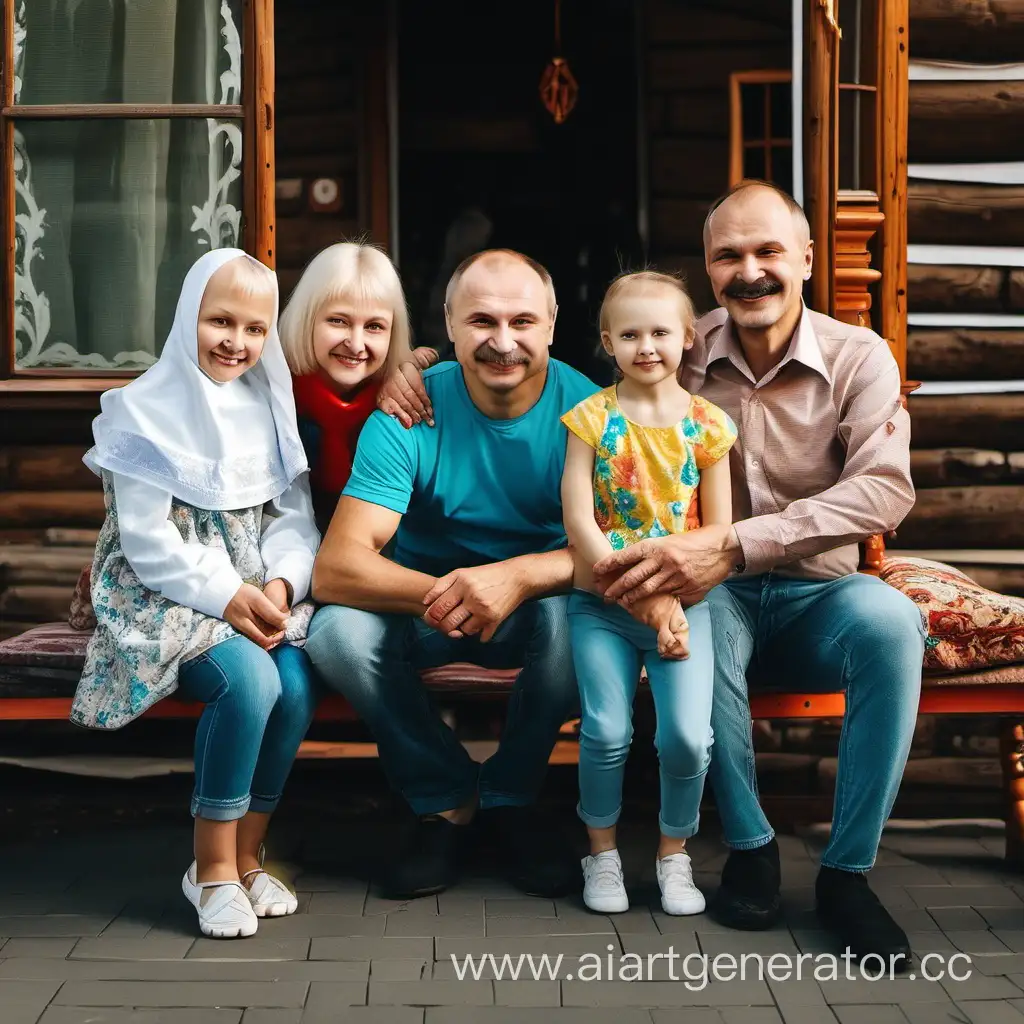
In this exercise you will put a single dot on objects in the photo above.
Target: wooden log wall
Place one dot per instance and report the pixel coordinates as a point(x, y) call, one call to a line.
point(692, 49)
point(968, 449)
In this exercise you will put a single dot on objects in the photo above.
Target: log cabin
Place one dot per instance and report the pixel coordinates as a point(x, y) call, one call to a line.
point(135, 136)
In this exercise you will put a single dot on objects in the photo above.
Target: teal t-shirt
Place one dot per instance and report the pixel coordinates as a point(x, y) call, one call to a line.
point(470, 490)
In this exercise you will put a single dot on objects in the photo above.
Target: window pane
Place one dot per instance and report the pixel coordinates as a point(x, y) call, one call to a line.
point(752, 95)
point(128, 51)
point(110, 215)
point(857, 140)
point(754, 162)
point(782, 110)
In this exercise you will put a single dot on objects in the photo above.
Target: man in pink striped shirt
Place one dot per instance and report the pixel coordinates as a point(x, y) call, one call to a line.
point(821, 464)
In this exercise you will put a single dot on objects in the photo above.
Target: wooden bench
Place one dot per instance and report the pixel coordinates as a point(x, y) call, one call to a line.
point(40, 668)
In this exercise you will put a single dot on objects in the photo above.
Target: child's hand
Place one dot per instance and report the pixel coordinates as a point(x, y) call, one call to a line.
point(277, 591)
point(663, 613)
point(254, 615)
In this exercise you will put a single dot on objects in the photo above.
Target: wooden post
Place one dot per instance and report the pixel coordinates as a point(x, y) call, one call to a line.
point(856, 224)
point(893, 116)
point(258, 61)
point(1012, 751)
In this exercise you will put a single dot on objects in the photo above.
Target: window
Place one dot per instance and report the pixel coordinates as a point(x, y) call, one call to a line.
point(761, 126)
point(131, 147)
point(858, 96)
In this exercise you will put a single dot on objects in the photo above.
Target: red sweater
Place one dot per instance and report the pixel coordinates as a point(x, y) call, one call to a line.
point(337, 424)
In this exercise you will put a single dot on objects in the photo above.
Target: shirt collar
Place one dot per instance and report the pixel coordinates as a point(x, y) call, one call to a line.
point(803, 348)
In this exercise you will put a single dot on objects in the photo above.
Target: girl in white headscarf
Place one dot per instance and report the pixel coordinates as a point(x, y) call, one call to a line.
point(201, 572)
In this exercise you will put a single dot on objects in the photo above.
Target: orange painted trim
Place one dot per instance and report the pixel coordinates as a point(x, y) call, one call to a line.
point(971, 699)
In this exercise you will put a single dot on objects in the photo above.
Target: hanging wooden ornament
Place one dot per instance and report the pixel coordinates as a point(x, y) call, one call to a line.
point(558, 87)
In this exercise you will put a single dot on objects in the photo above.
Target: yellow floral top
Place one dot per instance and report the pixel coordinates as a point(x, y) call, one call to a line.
point(646, 478)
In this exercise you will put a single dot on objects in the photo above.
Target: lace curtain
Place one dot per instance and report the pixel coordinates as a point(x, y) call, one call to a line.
point(110, 213)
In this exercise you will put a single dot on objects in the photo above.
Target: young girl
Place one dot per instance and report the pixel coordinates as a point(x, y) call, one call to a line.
point(205, 552)
point(344, 329)
point(639, 453)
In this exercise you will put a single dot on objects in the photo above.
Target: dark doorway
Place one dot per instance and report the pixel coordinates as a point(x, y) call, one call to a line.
point(483, 164)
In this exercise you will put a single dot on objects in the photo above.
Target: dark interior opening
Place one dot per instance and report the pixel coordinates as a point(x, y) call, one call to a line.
point(483, 164)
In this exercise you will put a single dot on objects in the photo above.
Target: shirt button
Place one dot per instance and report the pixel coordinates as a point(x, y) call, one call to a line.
point(755, 463)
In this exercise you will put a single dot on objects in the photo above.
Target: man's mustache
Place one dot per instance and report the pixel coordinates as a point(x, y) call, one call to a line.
point(756, 290)
point(486, 354)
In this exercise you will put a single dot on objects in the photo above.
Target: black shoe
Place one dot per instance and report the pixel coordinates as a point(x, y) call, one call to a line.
point(749, 897)
point(428, 860)
point(848, 907)
point(533, 854)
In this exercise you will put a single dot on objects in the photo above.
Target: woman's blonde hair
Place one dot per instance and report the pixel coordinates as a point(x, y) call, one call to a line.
point(357, 272)
point(638, 281)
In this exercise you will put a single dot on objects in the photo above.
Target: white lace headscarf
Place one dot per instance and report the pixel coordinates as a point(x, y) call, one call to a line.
point(212, 445)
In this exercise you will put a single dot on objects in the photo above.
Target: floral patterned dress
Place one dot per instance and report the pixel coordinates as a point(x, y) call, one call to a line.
point(141, 639)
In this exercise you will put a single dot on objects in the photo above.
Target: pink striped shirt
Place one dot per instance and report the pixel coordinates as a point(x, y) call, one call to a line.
point(823, 456)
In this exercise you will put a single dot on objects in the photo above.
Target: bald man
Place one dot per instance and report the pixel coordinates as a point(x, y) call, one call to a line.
point(481, 572)
point(821, 464)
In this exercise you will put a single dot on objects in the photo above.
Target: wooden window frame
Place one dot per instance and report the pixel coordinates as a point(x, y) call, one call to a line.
point(256, 112)
point(737, 142)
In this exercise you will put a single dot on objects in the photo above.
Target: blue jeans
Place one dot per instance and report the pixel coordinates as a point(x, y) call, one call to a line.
point(259, 706)
point(856, 634)
point(374, 660)
point(608, 647)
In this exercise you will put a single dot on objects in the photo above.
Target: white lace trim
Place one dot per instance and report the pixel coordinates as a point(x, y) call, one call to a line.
point(196, 480)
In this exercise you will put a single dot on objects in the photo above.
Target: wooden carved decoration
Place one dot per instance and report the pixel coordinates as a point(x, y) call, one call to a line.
point(558, 87)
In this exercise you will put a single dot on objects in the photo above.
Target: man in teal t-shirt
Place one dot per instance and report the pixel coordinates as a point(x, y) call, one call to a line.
point(480, 572)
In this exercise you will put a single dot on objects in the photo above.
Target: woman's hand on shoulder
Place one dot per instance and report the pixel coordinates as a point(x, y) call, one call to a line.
point(403, 395)
point(253, 614)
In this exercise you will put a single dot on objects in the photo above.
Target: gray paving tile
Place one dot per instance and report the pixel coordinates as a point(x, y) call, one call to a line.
point(55, 948)
point(749, 1015)
point(368, 1015)
point(426, 905)
point(52, 926)
point(350, 902)
point(932, 1013)
point(184, 994)
point(186, 970)
point(904, 875)
point(800, 991)
point(358, 948)
point(400, 970)
point(666, 993)
point(1000, 1012)
point(980, 986)
point(515, 1015)
point(521, 907)
point(315, 926)
point(768, 942)
point(23, 1002)
point(976, 943)
point(1011, 939)
point(853, 990)
point(914, 920)
point(931, 896)
point(455, 901)
point(568, 946)
point(796, 1013)
point(636, 921)
point(930, 942)
point(121, 1015)
point(431, 993)
point(527, 993)
point(661, 945)
point(1005, 963)
point(399, 925)
point(958, 919)
point(262, 1015)
point(871, 1013)
point(1008, 918)
point(327, 998)
point(596, 924)
point(255, 948)
point(158, 948)
point(695, 1015)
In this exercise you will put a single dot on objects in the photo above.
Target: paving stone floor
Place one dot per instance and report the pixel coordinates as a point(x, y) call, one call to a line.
point(94, 930)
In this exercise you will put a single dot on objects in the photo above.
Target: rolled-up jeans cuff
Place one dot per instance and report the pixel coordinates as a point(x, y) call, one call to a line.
point(751, 844)
point(598, 821)
point(220, 810)
point(679, 831)
point(263, 804)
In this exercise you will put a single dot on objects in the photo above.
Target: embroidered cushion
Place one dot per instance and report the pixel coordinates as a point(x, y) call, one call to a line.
point(53, 645)
point(81, 615)
point(969, 627)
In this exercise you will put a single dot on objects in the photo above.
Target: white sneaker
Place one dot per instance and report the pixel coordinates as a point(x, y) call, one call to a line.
point(269, 896)
point(675, 880)
point(604, 889)
point(223, 907)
